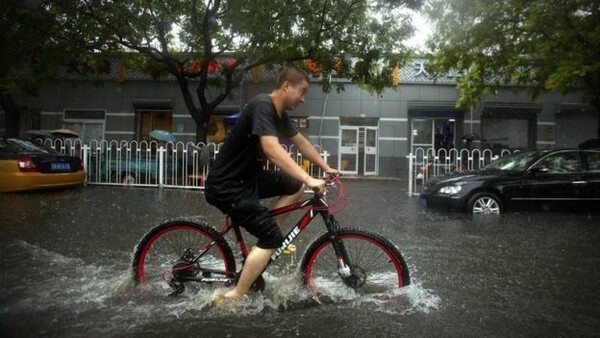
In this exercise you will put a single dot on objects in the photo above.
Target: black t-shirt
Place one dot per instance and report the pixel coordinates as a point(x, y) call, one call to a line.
point(235, 170)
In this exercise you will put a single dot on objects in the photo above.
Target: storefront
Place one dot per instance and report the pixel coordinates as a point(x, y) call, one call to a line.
point(364, 133)
point(435, 128)
point(509, 127)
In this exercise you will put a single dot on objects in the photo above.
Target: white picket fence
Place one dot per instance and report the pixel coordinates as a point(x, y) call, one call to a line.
point(186, 165)
point(426, 163)
point(158, 164)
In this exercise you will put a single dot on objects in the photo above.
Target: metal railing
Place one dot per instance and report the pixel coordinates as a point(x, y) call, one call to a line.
point(426, 163)
point(157, 164)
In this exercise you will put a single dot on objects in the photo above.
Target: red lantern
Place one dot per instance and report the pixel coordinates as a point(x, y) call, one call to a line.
point(395, 76)
point(230, 63)
point(310, 65)
point(213, 66)
point(256, 74)
point(337, 64)
point(195, 66)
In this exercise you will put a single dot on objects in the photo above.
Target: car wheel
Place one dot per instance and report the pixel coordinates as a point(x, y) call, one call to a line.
point(485, 203)
point(127, 179)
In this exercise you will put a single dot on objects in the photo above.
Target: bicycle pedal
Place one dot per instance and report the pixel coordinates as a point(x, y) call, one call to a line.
point(290, 249)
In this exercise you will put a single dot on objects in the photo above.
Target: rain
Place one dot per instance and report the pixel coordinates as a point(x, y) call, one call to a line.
point(66, 259)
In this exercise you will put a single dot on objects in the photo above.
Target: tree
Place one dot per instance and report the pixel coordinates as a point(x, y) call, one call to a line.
point(206, 43)
point(32, 52)
point(543, 44)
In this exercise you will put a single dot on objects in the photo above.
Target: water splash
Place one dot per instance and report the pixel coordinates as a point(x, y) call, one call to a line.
point(64, 289)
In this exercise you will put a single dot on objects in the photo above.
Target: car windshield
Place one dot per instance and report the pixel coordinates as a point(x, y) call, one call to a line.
point(23, 146)
point(516, 161)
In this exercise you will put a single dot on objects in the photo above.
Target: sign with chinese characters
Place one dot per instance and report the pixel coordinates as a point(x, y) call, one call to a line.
point(420, 69)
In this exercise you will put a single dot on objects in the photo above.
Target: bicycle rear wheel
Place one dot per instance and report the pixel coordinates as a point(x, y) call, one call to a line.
point(376, 266)
point(163, 259)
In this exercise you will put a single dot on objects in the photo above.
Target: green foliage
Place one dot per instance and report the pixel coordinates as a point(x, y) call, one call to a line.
point(543, 44)
point(32, 48)
point(183, 38)
point(254, 32)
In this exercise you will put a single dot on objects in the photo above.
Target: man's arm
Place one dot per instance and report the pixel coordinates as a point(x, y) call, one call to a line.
point(276, 154)
point(310, 153)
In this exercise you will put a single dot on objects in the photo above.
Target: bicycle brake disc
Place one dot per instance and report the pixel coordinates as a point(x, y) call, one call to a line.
point(357, 278)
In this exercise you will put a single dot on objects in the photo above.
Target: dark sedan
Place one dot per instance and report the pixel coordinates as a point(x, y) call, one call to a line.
point(533, 180)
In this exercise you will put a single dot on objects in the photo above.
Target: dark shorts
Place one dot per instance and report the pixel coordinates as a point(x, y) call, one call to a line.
point(246, 210)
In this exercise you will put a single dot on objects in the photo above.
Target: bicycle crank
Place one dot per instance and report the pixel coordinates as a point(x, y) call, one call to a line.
point(177, 287)
point(182, 271)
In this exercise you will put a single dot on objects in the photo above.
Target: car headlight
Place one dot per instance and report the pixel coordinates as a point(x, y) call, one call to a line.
point(450, 189)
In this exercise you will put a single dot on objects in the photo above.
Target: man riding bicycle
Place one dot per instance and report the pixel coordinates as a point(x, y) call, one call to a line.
point(237, 180)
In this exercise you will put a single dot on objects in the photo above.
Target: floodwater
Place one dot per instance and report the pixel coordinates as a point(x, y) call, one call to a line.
point(65, 257)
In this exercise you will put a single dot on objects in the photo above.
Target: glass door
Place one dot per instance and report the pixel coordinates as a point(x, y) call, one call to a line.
point(348, 157)
point(371, 165)
point(421, 138)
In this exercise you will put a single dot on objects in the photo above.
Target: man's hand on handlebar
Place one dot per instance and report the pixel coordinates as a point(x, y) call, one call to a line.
point(332, 172)
point(319, 185)
point(316, 185)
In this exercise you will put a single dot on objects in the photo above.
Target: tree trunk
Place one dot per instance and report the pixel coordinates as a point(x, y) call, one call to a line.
point(11, 115)
point(597, 108)
point(201, 132)
point(595, 103)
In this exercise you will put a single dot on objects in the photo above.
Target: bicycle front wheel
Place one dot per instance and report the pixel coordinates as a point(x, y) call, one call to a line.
point(375, 266)
point(165, 258)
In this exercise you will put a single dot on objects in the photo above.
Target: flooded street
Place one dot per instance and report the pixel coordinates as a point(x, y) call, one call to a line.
point(66, 255)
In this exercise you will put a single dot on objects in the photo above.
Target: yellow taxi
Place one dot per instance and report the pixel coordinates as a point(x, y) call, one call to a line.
point(25, 165)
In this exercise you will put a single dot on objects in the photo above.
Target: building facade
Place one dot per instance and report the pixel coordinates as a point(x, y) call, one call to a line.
point(364, 133)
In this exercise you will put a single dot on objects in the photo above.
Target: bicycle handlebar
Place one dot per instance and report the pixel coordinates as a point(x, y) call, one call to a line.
point(331, 179)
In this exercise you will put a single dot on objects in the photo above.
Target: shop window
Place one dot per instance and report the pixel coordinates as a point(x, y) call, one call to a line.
point(89, 124)
point(153, 119)
point(509, 128)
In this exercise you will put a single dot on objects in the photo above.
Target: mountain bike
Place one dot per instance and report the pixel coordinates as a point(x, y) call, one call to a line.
point(342, 260)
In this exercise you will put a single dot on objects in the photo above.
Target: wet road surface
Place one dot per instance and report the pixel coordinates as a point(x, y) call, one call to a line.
point(65, 256)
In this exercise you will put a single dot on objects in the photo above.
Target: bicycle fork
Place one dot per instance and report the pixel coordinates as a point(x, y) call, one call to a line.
point(343, 261)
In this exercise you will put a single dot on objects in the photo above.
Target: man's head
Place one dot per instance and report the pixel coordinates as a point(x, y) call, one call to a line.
point(291, 74)
point(291, 85)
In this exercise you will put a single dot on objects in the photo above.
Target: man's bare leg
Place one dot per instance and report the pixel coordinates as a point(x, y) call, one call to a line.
point(258, 258)
point(285, 200)
point(253, 266)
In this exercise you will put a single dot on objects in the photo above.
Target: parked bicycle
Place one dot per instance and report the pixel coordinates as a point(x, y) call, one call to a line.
point(183, 251)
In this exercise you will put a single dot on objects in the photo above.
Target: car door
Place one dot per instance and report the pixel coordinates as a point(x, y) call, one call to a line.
point(558, 178)
point(591, 176)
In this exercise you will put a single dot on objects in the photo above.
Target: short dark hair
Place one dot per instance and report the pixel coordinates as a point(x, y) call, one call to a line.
point(293, 74)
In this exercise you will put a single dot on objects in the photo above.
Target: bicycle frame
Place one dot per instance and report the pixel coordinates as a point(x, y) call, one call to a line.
point(315, 205)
